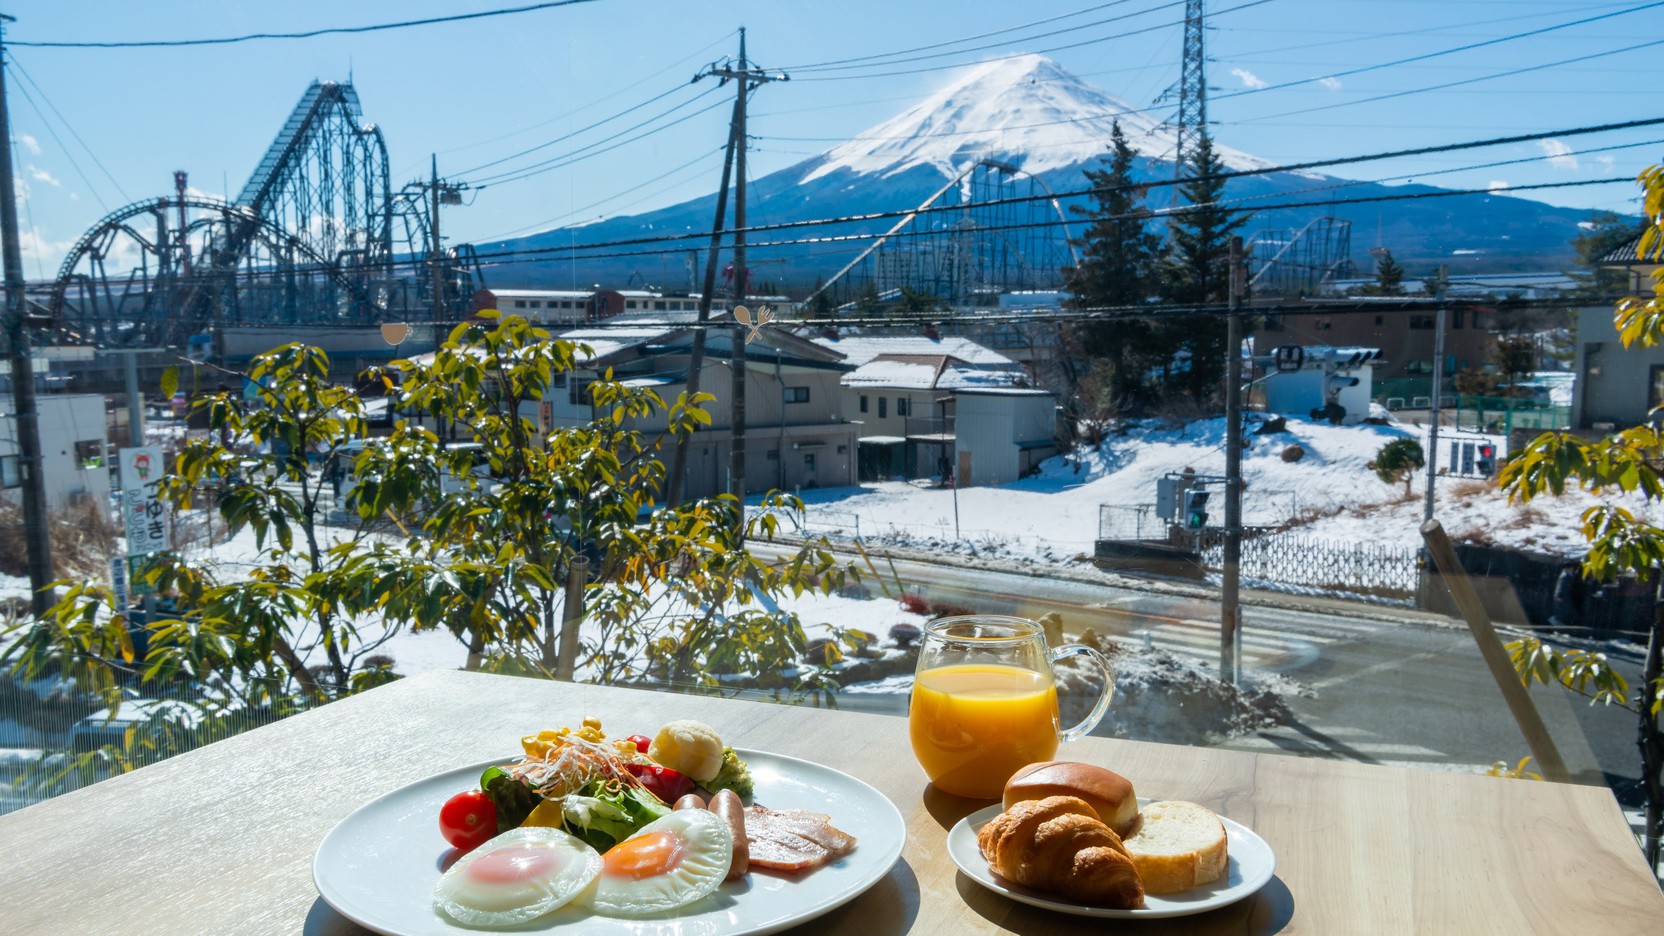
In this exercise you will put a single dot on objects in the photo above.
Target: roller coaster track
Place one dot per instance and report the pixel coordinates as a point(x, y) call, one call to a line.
point(896, 230)
point(308, 240)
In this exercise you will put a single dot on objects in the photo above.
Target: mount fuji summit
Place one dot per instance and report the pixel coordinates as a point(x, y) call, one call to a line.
point(1029, 113)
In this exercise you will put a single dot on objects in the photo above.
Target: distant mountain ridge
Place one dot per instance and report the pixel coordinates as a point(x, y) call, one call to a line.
point(1028, 112)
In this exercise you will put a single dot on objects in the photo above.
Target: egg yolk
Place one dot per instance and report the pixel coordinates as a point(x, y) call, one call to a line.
point(644, 856)
point(516, 863)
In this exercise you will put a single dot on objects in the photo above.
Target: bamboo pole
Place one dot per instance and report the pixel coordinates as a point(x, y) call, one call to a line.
point(1496, 656)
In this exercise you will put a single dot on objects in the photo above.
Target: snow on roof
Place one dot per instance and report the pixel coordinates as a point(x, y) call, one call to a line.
point(609, 341)
point(862, 349)
point(541, 293)
point(1005, 391)
point(940, 374)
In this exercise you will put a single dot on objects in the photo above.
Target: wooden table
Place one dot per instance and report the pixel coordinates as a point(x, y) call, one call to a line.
point(220, 840)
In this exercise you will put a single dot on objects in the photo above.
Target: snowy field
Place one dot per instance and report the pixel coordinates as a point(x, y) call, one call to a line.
point(1053, 517)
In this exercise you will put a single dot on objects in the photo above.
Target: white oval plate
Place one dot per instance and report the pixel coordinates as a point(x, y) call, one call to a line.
point(1249, 867)
point(377, 867)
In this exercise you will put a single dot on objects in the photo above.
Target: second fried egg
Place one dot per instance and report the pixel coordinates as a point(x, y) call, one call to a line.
point(669, 863)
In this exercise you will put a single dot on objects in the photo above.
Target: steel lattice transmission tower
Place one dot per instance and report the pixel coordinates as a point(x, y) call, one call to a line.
point(1193, 88)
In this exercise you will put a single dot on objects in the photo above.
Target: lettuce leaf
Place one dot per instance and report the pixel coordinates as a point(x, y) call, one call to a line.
point(514, 799)
point(603, 817)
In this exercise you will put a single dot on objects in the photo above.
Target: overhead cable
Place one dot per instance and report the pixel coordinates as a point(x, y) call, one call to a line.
point(1443, 52)
point(307, 34)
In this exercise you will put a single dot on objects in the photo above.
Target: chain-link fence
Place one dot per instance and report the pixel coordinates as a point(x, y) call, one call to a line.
point(1379, 569)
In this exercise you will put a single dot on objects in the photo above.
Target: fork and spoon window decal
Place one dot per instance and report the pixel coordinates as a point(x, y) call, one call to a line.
point(742, 315)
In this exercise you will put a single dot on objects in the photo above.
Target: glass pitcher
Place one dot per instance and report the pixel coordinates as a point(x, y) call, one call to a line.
point(984, 701)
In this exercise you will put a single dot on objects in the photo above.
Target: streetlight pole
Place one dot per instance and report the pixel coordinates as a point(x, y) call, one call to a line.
point(37, 537)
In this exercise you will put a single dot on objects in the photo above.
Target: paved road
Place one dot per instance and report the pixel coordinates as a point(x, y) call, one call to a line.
point(1402, 693)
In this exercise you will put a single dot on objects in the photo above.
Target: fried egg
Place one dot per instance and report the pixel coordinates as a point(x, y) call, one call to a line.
point(520, 875)
point(668, 863)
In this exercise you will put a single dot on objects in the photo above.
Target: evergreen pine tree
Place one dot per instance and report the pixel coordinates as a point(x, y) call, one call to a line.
point(1196, 268)
point(820, 305)
point(1117, 268)
point(1389, 275)
point(867, 303)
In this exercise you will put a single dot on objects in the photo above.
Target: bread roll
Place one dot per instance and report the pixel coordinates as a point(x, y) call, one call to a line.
point(1108, 793)
point(1176, 846)
point(1058, 844)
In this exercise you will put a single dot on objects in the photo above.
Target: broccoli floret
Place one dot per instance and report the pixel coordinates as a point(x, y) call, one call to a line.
point(733, 775)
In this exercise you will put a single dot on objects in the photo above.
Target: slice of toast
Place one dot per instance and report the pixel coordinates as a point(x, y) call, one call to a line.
point(1176, 846)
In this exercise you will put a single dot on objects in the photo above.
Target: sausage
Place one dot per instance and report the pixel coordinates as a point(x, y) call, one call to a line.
point(690, 801)
point(727, 805)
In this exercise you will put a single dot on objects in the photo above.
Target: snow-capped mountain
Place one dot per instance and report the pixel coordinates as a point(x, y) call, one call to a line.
point(1026, 111)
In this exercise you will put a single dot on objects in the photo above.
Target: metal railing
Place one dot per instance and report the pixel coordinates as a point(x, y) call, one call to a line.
point(1378, 569)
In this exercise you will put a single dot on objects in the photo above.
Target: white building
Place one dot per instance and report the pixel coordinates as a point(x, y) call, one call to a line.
point(74, 459)
point(1321, 383)
point(908, 394)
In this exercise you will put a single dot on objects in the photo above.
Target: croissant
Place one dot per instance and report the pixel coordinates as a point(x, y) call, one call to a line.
point(1058, 844)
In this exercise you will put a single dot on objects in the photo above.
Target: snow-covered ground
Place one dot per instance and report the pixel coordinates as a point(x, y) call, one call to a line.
point(1053, 517)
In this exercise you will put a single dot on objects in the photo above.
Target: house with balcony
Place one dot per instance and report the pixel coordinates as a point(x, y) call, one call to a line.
point(798, 433)
point(905, 392)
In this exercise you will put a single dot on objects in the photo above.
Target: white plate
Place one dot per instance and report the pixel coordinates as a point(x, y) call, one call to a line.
point(1250, 865)
point(377, 867)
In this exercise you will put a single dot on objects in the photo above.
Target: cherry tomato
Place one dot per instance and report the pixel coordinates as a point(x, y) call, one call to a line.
point(468, 819)
point(641, 741)
point(666, 784)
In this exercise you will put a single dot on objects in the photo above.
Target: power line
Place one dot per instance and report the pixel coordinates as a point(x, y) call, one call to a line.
point(1000, 58)
point(24, 74)
point(1454, 84)
point(698, 53)
point(631, 190)
point(66, 151)
point(603, 250)
point(1443, 52)
point(841, 65)
point(567, 136)
point(580, 154)
point(308, 34)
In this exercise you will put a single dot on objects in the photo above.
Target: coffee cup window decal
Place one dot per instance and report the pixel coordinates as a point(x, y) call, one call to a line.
point(742, 315)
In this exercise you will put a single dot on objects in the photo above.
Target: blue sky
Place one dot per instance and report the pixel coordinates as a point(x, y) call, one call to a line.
point(476, 92)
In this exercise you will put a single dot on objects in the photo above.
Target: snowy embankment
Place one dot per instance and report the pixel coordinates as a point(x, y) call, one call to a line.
point(1329, 493)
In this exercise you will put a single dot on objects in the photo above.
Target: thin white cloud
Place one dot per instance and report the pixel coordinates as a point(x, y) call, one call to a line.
point(1607, 161)
point(29, 143)
point(1249, 79)
point(34, 244)
point(41, 175)
point(1333, 84)
point(1558, 154)
point(1498, 187)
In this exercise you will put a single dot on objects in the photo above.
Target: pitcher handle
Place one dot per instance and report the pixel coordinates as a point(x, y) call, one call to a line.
point(1096, 715)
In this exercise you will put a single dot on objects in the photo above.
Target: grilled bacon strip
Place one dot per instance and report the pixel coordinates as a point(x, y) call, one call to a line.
point(793, 840)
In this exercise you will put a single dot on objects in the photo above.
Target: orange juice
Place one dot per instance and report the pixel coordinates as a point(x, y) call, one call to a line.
point(974, 725)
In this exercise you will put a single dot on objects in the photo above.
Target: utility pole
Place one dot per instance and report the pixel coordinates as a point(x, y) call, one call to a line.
point(1432, 454)
point(36, 535)
point(746, 77)
point(696, 359)
point(1230, 609)
point(438, 257)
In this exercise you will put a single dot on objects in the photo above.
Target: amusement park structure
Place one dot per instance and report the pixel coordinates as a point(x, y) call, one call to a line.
point(316, 238)
point(993, 228)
